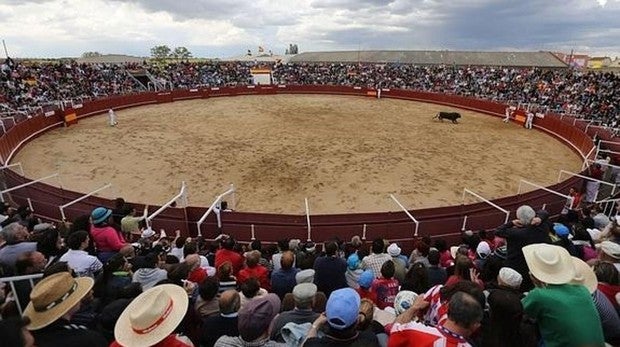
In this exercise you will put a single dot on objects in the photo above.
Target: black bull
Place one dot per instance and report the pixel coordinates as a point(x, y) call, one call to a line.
point(452, 116)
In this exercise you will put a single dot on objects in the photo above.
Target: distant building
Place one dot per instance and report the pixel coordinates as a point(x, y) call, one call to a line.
point(111, 59)
point(599, 62)
point(545, 60)
point(578, 61)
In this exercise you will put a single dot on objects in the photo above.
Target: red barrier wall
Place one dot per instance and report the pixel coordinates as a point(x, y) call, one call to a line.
point(442, 221)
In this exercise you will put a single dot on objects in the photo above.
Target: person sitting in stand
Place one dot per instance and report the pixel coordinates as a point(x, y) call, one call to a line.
point(53, 301)
point(152, 318)
point(107, 240)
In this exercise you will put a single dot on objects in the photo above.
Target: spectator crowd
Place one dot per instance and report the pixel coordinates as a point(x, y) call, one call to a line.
point(590, 95)
point(106, 280)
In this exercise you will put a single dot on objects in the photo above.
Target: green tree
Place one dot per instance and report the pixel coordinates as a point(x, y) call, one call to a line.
point(160, 52)
point(90, 54)
point(181, 53)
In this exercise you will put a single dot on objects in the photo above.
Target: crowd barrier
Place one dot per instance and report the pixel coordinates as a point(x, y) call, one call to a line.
point(442, 221)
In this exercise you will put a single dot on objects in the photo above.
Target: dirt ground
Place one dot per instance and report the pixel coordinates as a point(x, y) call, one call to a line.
point(345, 154)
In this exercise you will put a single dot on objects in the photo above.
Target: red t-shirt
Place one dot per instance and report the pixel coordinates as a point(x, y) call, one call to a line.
point(366, 294)
point(445, 259)
point(224, 255)
point(385, 291)
point(198, 275)
point(259, 272)
point(610, 292)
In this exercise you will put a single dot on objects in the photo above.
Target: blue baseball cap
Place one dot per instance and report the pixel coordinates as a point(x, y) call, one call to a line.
point(560, 229)
point(366, 279)
point(353, 261)
point(342, 308)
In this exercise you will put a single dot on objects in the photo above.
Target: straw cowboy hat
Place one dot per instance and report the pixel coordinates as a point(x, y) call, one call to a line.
point(53, 297)
point(151, 316)
point(584, 275)
point(548, 263)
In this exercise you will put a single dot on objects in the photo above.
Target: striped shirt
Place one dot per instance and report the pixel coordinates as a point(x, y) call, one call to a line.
point(414, 334)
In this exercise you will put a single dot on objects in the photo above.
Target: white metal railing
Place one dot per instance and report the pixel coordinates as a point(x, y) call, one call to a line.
point(19, 165)
point(213, 207)
point(485, 200)
point(585, 160)
point(613, 186)
point(568, 197)
point(611, 142)
point(415, 221)
point(607, 151)
point(308, 220)
point(11, 281)
point(62, 207)
point(26, 185)
point(605, 203)
point(604, 163)
point(182, 194)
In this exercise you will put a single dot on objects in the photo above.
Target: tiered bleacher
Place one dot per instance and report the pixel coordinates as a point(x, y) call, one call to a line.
point(106, 279)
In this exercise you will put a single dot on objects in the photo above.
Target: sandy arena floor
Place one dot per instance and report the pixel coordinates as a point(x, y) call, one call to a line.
point(344, 153)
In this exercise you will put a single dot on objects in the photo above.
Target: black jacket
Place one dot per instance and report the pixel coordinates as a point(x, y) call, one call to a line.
point(63, 334)
point(516, 239)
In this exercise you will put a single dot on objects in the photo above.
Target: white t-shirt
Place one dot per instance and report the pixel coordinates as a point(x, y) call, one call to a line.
point(84, 264)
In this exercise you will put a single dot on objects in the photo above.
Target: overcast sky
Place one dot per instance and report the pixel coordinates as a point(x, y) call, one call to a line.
point(61, 28)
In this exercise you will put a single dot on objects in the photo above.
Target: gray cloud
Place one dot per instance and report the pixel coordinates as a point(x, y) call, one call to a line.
point(197, 9)
point(388, 24)
point(350, 4)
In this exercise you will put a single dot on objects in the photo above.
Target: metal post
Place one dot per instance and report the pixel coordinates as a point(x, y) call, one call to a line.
point(417, 224)
point(234, 198)
point(308, 220)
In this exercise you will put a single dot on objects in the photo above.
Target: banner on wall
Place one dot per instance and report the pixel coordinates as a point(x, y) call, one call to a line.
point(520, 116)
point(70, 119)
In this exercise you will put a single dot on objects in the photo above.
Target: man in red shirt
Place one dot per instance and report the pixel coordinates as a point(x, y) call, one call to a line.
point(464, 317)
point(254, 269)
point(227, 253)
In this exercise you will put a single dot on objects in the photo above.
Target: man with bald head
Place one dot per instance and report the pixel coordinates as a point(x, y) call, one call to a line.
point(223, 324)
point(283, 279)
point(196, 273)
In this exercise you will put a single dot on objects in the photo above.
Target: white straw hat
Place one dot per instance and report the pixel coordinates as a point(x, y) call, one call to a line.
point(548, 263)
point(54, 296)
point(151, 316)
point(584, 275)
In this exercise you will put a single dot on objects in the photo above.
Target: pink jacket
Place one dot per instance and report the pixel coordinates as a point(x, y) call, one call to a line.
point(107, 239)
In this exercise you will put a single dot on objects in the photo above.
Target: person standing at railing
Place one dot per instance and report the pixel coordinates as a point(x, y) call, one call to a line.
point(508, 112)
point(54, 300)
point(529, 120)
point(573, 202)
